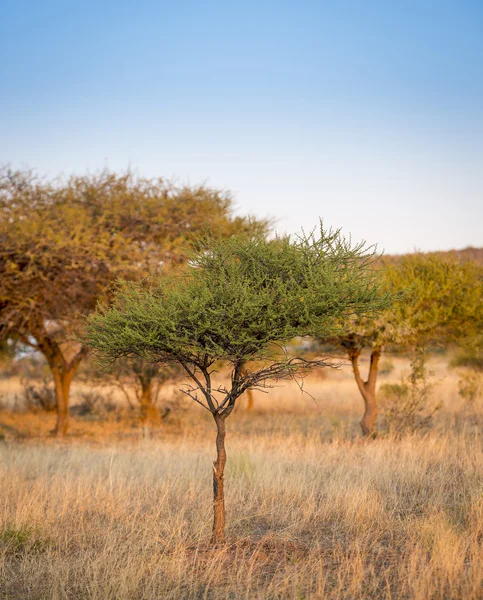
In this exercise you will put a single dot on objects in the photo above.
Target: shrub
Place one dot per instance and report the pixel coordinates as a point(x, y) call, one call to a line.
point(19, 540)
point(472, 358)
point(94, 403)
point(407, 406)
point(469, 385)
point(386, 367)
point(39, 397)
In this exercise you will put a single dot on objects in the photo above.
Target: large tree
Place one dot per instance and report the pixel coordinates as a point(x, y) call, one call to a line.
point(63, 243)
point(239, 300)
point(438, 300)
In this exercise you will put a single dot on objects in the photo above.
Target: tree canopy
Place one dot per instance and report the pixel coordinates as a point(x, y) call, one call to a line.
point(234, 300)
point(440, 302)
point(239, 300)
point(64, 242)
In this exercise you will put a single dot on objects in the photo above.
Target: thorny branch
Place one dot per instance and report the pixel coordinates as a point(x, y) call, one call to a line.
point(242, 380)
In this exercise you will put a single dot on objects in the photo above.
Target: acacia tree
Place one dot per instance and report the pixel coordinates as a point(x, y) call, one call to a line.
point(64, 242)
point(438, 300)
point(139, 380)
point(236, 302)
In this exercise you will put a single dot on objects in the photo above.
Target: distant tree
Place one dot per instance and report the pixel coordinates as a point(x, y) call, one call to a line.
point(62, 243)
point(441, 302)
point(237, 301)
point(140, 382)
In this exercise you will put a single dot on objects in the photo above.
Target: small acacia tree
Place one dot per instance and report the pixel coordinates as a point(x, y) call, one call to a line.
point(231, 303)
point(440, 301)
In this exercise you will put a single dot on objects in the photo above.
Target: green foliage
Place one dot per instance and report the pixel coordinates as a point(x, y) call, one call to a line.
point(445, 298)
point(438, 300)
point(23, 539)
point(235, 298)
point(233, 301)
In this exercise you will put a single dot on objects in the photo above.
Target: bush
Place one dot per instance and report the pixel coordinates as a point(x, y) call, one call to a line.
point(469, 385)
point(19, 540)
point(386, 367)
point(469, 357)
point(39, 397)
point(93, 404)
point(407, 406)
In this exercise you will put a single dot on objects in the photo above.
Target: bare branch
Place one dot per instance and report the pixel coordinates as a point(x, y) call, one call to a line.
point(200, 387)
point(194, 397)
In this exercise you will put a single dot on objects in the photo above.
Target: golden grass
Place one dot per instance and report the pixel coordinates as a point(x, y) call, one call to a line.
point(313, 511)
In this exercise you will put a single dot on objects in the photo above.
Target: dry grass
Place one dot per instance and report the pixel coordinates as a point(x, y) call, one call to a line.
point(313, 511)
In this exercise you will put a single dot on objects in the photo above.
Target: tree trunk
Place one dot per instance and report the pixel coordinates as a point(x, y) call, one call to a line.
point(367, 390)
point(146, 401)
point(218, 534)
point(249, 394)
point(62, 380)
point(370, 413)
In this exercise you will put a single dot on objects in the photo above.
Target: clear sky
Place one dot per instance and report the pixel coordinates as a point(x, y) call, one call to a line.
point(368, 114)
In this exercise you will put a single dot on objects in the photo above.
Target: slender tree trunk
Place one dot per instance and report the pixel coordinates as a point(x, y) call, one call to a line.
point(218, 534)
point(62, 423)
point(146, 401)
point(249, 394)
point(370, 413)
point(62, 381)
point(367, 390)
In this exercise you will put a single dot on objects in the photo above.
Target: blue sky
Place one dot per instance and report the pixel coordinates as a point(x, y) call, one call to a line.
point(368, 114)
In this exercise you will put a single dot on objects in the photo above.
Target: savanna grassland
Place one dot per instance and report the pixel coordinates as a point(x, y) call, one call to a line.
point(313, 510)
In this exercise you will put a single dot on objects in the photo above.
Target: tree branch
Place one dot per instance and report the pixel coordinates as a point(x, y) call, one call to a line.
point(354, 358)
point(375, 355)
point(208, 397)
point(76, 360)
point(194, 397)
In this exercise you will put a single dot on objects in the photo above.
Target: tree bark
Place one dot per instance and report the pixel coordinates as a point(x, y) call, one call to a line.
point(249, 394)
point(218, 533)
point(62, 381)
point(367, 389)
point(146, 402)
point(62, 375)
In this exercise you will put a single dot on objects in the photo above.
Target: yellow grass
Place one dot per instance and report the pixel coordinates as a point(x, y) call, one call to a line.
point(313, 511)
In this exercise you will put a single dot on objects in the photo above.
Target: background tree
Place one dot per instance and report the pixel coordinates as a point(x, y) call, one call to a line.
point(140, 382)
point(441, 302)
point(237, 302)
point(62, 243)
